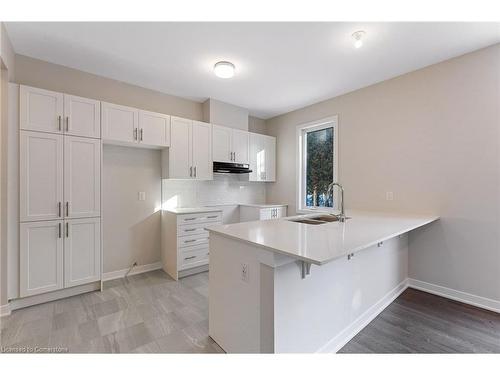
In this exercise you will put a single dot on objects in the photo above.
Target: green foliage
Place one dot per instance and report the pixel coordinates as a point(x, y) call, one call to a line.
point(319, 173)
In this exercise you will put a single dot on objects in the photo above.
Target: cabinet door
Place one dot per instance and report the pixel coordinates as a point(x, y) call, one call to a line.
point(82, 177)
point(202, 150)
point(82, 251)
point(154, 129)
point(179, 154)
point(40, 110)
point(41, 257)
point(82, 116)
point(257, 157)
point(270, 160)
point(221, 143)
point(119, 123)
point(40, 176)
point(240, 142)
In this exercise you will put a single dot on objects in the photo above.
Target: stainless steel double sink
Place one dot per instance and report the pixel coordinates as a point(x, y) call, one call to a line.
point(317, 220)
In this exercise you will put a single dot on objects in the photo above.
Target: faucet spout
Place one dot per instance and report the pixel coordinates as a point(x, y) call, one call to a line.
point(342, 212)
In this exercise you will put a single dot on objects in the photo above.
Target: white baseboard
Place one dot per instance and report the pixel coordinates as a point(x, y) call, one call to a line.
point(364, 319)
point(5, 309)
point(106, 276)
point(456, 295)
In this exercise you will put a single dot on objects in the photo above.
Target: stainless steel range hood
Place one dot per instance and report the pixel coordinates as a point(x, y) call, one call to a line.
point(236, 168)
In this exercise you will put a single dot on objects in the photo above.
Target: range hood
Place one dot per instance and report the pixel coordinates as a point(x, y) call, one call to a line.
point(236, 168)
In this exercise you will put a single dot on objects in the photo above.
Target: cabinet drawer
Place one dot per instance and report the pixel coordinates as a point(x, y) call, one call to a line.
point(199, 218)
point(197, 256)
point(193, 229)
point(197, 239)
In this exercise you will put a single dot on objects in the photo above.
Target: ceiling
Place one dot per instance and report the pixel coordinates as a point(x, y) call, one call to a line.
point(280, 66)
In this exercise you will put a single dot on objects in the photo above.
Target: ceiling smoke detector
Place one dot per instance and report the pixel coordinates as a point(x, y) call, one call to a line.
point(358, 38)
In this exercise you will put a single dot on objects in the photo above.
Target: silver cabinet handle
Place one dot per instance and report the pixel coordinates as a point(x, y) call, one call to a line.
point(59, 209)
point(190, 230)
point(59, 122)
point(194, 171)
point(135, 134)
point(190, 218)
point(190, 171)
point(188, 241)
point(67, 229)
point(211, 217)
point(59, 230)
point(141, 132)
point(191, 257)
point(67, 209)
point(67, 123)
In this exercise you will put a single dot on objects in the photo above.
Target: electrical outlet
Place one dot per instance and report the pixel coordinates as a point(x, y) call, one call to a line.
point(389, 196)
point(245, 272)
point(142, 195)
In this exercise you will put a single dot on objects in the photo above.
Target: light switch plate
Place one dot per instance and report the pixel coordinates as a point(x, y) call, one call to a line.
point(142, 195)
point(389, 196)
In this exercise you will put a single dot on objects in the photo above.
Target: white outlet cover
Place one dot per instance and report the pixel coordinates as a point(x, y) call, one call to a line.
point(245, 276)
point(389, 196)
point(142, 195)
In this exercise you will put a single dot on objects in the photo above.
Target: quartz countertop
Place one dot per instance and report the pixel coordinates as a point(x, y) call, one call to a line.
point(320, 244)
point(192, 210)
point(262, 205)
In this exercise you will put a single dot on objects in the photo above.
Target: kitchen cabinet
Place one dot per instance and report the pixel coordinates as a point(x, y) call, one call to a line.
point(82, 177)
point(53, 112)
point(230, 145)
point(261, 212)
point(119, 123)
point(82, 116)
point(40, 110)
point(185, 245)
point(154, 129)
point(41, 257)
point(40, 176)
point(262, 158)
point(82, 251)
point(190, 153)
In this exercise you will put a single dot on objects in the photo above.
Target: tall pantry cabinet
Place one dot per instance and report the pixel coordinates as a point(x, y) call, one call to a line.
point(60, 191)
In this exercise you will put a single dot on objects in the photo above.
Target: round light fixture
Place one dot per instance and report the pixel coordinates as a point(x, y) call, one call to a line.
point(224, 69)
point(358, 38)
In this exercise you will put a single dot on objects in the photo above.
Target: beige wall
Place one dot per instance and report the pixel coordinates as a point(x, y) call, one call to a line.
point(432, 138)
point(257, 125)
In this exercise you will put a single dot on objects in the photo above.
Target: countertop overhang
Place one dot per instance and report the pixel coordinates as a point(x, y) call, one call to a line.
point(320, 244)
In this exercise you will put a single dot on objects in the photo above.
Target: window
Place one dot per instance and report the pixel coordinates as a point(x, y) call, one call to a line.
point(317, 164)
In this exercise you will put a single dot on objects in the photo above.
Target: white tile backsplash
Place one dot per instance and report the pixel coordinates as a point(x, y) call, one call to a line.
point(224, 189)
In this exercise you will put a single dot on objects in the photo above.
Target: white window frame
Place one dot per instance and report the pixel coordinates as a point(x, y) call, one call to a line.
point(329, 122)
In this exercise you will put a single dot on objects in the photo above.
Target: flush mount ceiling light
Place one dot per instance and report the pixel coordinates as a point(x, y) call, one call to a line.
point(358, 38)
point(224, 69)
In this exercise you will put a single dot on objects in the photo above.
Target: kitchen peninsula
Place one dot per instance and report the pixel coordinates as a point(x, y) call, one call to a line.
point(289, 286)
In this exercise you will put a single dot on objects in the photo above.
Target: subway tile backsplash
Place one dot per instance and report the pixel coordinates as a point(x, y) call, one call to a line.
point(223, 189)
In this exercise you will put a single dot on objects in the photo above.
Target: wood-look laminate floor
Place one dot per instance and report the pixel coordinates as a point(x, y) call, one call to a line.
point(145, 313)
point(419, 322)
point(151, 313)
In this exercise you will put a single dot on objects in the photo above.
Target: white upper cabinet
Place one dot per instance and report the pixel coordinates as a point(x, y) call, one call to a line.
point(230, 145)
point(154, 129)
point(201, 135)
point(221, 143)
point(41, 110)
point(82, 251)
point(179, 154)
point(82, 177)
point(240, 142)
point(262, 157)
point(41, 176)
point(82, 116)
point(41, 257)
point(119, 123)
point(190, 153)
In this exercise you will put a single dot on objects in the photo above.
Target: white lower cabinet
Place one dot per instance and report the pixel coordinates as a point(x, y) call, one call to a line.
point(263, 212)
point(82, 251)
point(59, 254)
point(185, 245)
point(41, 257)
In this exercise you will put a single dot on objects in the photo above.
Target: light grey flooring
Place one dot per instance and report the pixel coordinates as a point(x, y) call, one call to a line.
point(419, 322)
point(146, 313)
